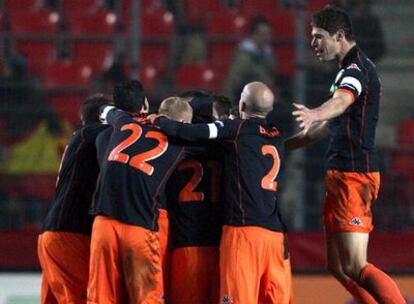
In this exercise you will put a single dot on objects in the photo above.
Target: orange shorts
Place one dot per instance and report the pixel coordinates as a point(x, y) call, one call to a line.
point(163, 233)
point(254, 266)
point(195, 275)
point(64, 258)
point(125, 264)
point(348, 200)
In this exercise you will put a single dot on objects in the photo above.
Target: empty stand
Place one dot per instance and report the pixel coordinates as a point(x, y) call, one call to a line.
point(156, 54)
point(258, 7)
point(197, 76)
point(159, 24)
point(67, 73)
point(71, 7)
point(403, 160)
point(38, 53)
point(41, 22)
point(101, 22)
point(22, 5)
point(198, 10)
point(67, 105)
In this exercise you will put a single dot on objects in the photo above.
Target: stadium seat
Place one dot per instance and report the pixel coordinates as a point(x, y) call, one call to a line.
point(39, 186)
point(101, 22)
point(41, 22)
point(315, 5)
point(227, 23)
point(157, 54)
point(197, 76)
point(283, 29)
point(159, 24)
point(67, 73)
point(221, 53)
point(403, 160)
point(147, 7)
point(99, 55)
point(198, 10)
point(258, 7)
point(38, 54)
point(67, 105)
point(22, 5)
point(148, 75)
point(71, 7)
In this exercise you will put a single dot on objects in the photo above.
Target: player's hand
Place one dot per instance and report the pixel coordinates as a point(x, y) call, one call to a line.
point(153, 117)
point(305, 116)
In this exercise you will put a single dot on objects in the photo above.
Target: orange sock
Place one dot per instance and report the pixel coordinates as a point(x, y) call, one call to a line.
point(380, 285)
point(360, 294)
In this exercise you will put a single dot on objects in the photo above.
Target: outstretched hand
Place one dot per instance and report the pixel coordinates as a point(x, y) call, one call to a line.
point(305, 116)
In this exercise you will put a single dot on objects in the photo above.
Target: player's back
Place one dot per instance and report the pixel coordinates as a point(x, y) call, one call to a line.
point(251, 165)
point(140, 160)
point(76, 183)
point(194, 201)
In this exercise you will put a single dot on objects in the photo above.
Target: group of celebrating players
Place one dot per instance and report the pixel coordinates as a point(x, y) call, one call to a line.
point(181, 207)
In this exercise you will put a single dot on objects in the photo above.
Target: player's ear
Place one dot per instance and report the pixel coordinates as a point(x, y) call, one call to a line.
point(145, 106)
point(243, 106)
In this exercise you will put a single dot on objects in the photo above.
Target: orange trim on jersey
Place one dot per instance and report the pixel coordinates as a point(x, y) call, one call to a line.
point(347, 92)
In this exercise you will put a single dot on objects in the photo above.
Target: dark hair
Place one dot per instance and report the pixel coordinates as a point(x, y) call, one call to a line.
point(91, 106)
point(332, 18)
point(257, 22)
point(129, 96)
point(223, 105)
point(194, 93)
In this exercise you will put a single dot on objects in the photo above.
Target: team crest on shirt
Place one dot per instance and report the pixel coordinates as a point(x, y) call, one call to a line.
point(353, 66)
point(356, 221)
point(227, 299)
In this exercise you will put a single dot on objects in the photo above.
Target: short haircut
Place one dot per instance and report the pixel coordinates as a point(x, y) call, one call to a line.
point(173, 107)
point(194, 93)
point(129, 96)
point(91, 106)
point(223, 105)
point(257, 22)
point(332, 18)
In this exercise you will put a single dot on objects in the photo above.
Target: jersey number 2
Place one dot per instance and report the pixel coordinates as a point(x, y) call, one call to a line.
point(268, 181)
point(139, 161)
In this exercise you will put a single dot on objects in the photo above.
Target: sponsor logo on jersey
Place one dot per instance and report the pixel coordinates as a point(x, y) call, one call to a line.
point(356, 221)
point(226, 299)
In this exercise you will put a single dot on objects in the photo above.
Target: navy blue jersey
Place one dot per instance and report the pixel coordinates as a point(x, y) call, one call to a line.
point(352, 134)
point(133, 176)
point(253, 155)
point(101, 143)
point(76, 183)
point(194, 201)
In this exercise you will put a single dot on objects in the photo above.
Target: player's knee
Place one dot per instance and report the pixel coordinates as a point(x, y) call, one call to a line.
point(352, 270)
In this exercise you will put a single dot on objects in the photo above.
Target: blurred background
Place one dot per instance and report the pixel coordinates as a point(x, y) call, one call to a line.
point(53, 53)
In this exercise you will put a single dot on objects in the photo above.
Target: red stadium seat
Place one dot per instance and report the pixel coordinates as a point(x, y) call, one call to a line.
point(283, 29)
point(221, 53)
point(159, 24)
point(22, 5)
point(147, 7)
point(197, 76)
point(258, 7)
point(67, 106)
point(42, 22)
point(156, 54)
point(71, 7)
point(403, 161)
point(67, 73)
point(227, 23)
point(198, 10)
point(316, 5)
point(148, 75)
point(99, 55)
point(38, 54)
point(40, 186)
point(101, 22)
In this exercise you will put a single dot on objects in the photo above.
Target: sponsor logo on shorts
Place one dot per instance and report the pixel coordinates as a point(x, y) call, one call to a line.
point(356, 221)
point(226, 299)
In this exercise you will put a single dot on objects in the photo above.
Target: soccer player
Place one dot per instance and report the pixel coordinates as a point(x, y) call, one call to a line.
point(63, 245)
point(254, 261)
point(125, 264)
point(352, 179)
point(194, 202)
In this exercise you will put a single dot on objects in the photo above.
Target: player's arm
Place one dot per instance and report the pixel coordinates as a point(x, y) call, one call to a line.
point(110, 114)
point(316, 132)
point(195, 132)
point(347, 92)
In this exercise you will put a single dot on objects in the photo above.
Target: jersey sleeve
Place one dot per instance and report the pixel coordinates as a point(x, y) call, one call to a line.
point(352, 81)
point(110, 114)
point(226, 129)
